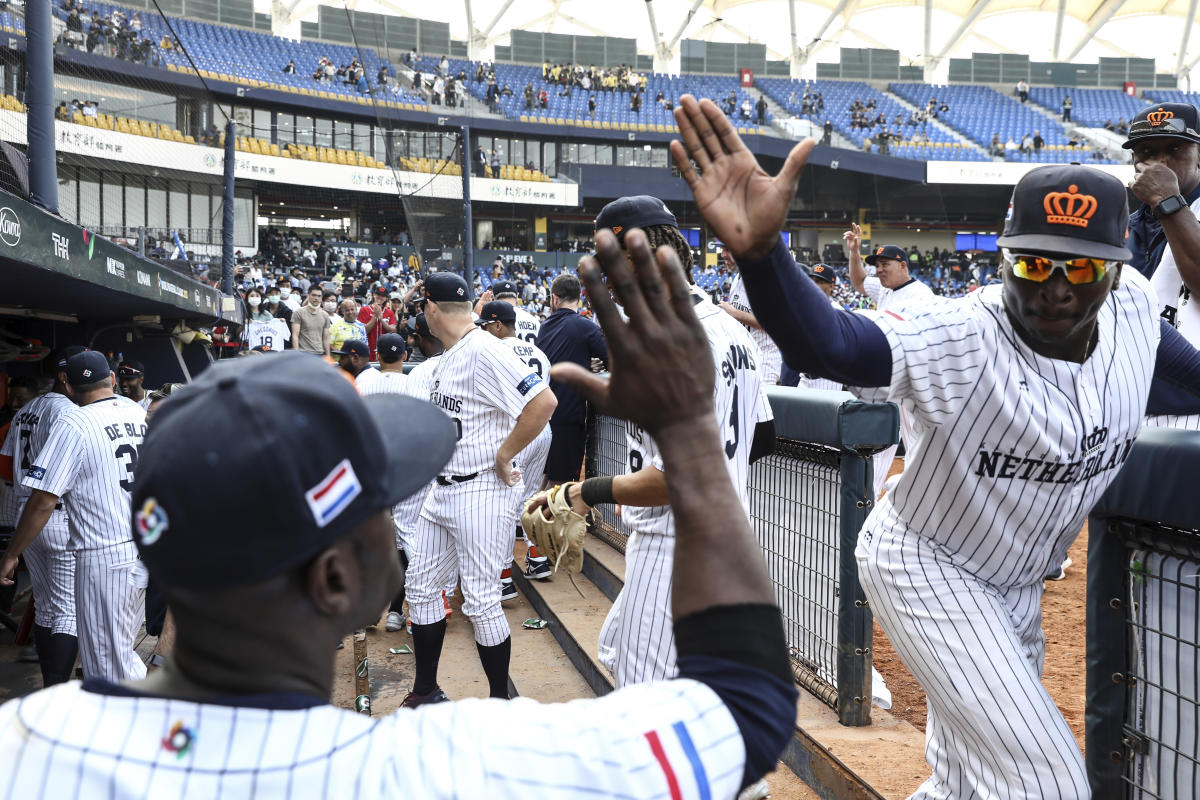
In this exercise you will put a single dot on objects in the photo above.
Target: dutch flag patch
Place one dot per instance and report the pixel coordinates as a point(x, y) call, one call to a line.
point(332, 495)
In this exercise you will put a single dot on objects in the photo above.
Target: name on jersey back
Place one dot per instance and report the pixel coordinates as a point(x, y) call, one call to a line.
point(738, 357)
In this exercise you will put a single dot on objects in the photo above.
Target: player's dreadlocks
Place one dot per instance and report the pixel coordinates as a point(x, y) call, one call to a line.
point(669, 235)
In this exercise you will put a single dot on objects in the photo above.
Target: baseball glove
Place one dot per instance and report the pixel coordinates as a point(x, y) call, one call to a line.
point(557, 530)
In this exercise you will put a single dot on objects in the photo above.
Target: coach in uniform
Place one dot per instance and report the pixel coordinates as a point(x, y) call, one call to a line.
point(1164, 233)
point(566, 336)
point(254, 633)
point(1050, 378)
point(88, 462)
point(50, 563)
point(498, 407)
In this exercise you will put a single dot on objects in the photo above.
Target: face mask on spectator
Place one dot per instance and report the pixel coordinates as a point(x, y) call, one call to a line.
point(254, 300)
point(331, 306)
point(273, 298)
point(285, 293)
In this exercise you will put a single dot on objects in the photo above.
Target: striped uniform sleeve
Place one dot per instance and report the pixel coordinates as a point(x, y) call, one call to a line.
point(763, 412)
point(55, 467)
point(669, 740)
point(505, 380)
point(872, 288)
point(937, 355)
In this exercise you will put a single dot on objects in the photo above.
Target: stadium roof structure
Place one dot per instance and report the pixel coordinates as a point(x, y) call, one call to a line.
point(926, 32)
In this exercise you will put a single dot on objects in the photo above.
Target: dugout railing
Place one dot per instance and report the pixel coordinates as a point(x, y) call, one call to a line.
point(807, 502)
point(1143, 625)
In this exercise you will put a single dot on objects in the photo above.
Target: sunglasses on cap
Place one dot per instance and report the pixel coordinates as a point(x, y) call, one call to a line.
point(128, 372)
point(1078, 271)
point(1174, 125)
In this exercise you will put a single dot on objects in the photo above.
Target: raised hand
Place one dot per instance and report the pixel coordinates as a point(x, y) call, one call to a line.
point(853, 238)
point(742, 204)
point(660, 362)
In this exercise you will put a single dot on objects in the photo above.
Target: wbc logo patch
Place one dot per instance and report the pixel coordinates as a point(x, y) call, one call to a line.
point(150, 521)
point(332, 495)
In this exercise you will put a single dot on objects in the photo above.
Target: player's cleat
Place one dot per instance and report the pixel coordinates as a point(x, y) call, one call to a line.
point(446, 605)
point(1062, 571)
point(508, 591)
point(413, 700)
point(756, 791)
point(538, 569)
point(395, 621)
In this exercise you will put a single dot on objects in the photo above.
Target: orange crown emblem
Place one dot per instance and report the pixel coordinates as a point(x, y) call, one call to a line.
point(878, 250)
point(1158, 117)
point(1069, 207)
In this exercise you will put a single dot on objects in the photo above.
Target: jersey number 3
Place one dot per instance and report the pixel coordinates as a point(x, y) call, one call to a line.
point(731, 446)
point(129, 455)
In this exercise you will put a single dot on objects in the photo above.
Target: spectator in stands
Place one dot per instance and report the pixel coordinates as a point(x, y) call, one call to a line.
point(310, 325)
point(275, 307)
point(286, 295)
point(635, 103)
point(416, 81)
point(167, 45)
point(530, 95)
point(996, 148)
point(256, 305)
point(495, 164)
point(74, 33)
point(1010, 148)
point(444, 66)
point(884, 139)
point(827, 139)
point(479, 162)
point(1038, 142)
point(592, 106)
point(1066, 109)
point(746, 109)
point(1123, 127)
point(761, 108)
point(1023, 90)
point(451, 92)
point(289, 69)
point(439, 87)
point(62, 112)
point(410, 57)
point(377, 318)
point(382, 77)
point(1026, 146)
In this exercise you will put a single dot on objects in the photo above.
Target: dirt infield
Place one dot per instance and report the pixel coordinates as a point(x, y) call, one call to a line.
point(1063, 617)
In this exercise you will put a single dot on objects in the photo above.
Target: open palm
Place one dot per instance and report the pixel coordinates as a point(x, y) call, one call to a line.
point(741, 203)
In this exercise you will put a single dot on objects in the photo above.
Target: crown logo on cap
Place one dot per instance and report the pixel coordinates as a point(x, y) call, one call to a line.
point(1069, 207)
point(1158, 117)
point(878, 250)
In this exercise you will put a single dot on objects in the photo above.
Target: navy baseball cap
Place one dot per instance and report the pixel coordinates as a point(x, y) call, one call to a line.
point(887, 251)
point(638, 211)
point(353, 347)
point(497, 311)
point(1164, 120)
point(67, 352)
point(391, 347)
point(823, 272)
point(87, 367)
point(290, 417)
point(501, 288)
point(1070, 210)
point(447, 287)
point(420, 326)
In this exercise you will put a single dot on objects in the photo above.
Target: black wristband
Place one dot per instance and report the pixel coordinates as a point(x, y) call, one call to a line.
point(750, 634)
point(595, 491)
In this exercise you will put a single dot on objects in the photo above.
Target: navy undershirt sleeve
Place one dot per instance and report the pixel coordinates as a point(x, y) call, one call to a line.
point(813, 336)
point(1176, 386)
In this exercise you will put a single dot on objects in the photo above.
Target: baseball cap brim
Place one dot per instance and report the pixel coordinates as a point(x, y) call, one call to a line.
point(1063, 245)
point(419, 440)
point(871, 259)
point(1130, 142)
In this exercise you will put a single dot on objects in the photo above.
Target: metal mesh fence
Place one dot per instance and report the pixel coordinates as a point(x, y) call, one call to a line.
point(794, 509)
point(1162, 716)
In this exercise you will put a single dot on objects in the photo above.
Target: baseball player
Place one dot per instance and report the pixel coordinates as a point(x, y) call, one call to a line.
point(390, 377)
point(825, 278)
point(131, 374)
point(254, 633)
point(500, 320)
point(1029, 397)
point(88, 462)
point(527, 325)
point(636, 643)
point(892, 289)
point(1164, 233)
point(51, 565)
point(498, 406)
point(738, 307)
point(419, 384)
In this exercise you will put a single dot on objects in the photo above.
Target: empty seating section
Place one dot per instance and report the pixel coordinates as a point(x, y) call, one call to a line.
point(838, 97)
point(1167, 96)
point(137, 127)
point(10, 103)
point(12, 23)
point(1089, 107)
point(980, 112)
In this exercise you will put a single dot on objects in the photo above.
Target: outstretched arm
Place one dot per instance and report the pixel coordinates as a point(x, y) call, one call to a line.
point(1176, 386)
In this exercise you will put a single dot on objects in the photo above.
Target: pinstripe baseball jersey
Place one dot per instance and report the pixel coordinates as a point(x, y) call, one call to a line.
point(26, 436)
point(741, 301)
point(420, 380)
point(374, 381)
point(530, 356)
point(527, 326)
point(816, 382)
point(912, 293)
point(1175, 301)
point(657, 740)
point(89, 460)
point(482, 385)
point(1014, 447)
point(740, 402)
point(271, 333)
